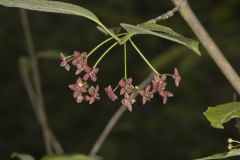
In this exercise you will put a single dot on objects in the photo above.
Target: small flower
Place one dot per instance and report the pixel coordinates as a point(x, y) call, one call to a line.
point(165, 95)
point(79, 58)
point(80, 61)
point(110, 93)
point(94, 95)
point(146, 94)
point(159, 83)
point(78, 88)
point(64, 62)
point(176, 76)
point(126, 86)
point(92, 73)
point(128, 101)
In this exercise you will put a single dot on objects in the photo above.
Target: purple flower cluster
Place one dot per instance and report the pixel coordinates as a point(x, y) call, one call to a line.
point(158, 85)
point(81, 88)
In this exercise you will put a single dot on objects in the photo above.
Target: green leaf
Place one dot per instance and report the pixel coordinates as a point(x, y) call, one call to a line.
point(160, 31)
point(231, 153)
point(51, 6)
point(24, 65)
point(67, 157)
point(22, 156)
point(222, 113)
point(114, 30)
point(55, 7)
point(158, 28)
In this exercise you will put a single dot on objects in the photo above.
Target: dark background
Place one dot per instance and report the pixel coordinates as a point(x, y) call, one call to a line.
point(177, 130)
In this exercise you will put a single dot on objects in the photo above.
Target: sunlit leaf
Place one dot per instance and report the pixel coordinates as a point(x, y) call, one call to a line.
point(222, 113)
point(163, 32)
point(231, 153)
point(22, 156)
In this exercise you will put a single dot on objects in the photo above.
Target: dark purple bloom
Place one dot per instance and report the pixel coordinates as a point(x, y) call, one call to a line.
point(176, 76)
point(110, 93)
point(146, 94)
point(64, 62)
point(94, 95)
point(165, 95)
point(126, 86)
point(128, 101)
point(159, 83)
point(90, 73)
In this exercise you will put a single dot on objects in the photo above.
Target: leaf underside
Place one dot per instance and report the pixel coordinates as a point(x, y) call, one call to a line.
point(222, 113)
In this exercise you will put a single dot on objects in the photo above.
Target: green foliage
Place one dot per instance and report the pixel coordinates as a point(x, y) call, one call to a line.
point(163, 32)
point(231, 153)
point(222, 113)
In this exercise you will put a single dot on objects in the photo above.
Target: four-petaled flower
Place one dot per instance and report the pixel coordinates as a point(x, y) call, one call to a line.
point(176, 76)
point(111, 93)
point(64, 62)
point(165, 95)
point(128, 101)
point(146, 94)
point(126, 86)
point(90, 73)
point(94, 95)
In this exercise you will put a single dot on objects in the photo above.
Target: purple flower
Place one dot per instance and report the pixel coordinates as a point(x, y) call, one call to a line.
point(128, 101)
point(80, 60)
point(94, 95)
point(165, 95)
point(126, 86)
point(64, 62)
point(159, 83)
point(146, 94)
point(90, 73)
point(78, 88)
point(110, 93)
point(176, 76)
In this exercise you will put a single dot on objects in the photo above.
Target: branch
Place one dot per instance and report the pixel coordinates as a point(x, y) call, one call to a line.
point(111, 123)
point(209, 44)
point(165, 16)
point(36, 97)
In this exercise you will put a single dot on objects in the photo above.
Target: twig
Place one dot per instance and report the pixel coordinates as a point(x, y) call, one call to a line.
point(209, 44)
point(111, 123)
point(36, 97)
point(167, 15)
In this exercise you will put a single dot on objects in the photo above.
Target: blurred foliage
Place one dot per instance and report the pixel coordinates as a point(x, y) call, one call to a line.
point(177, 130)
